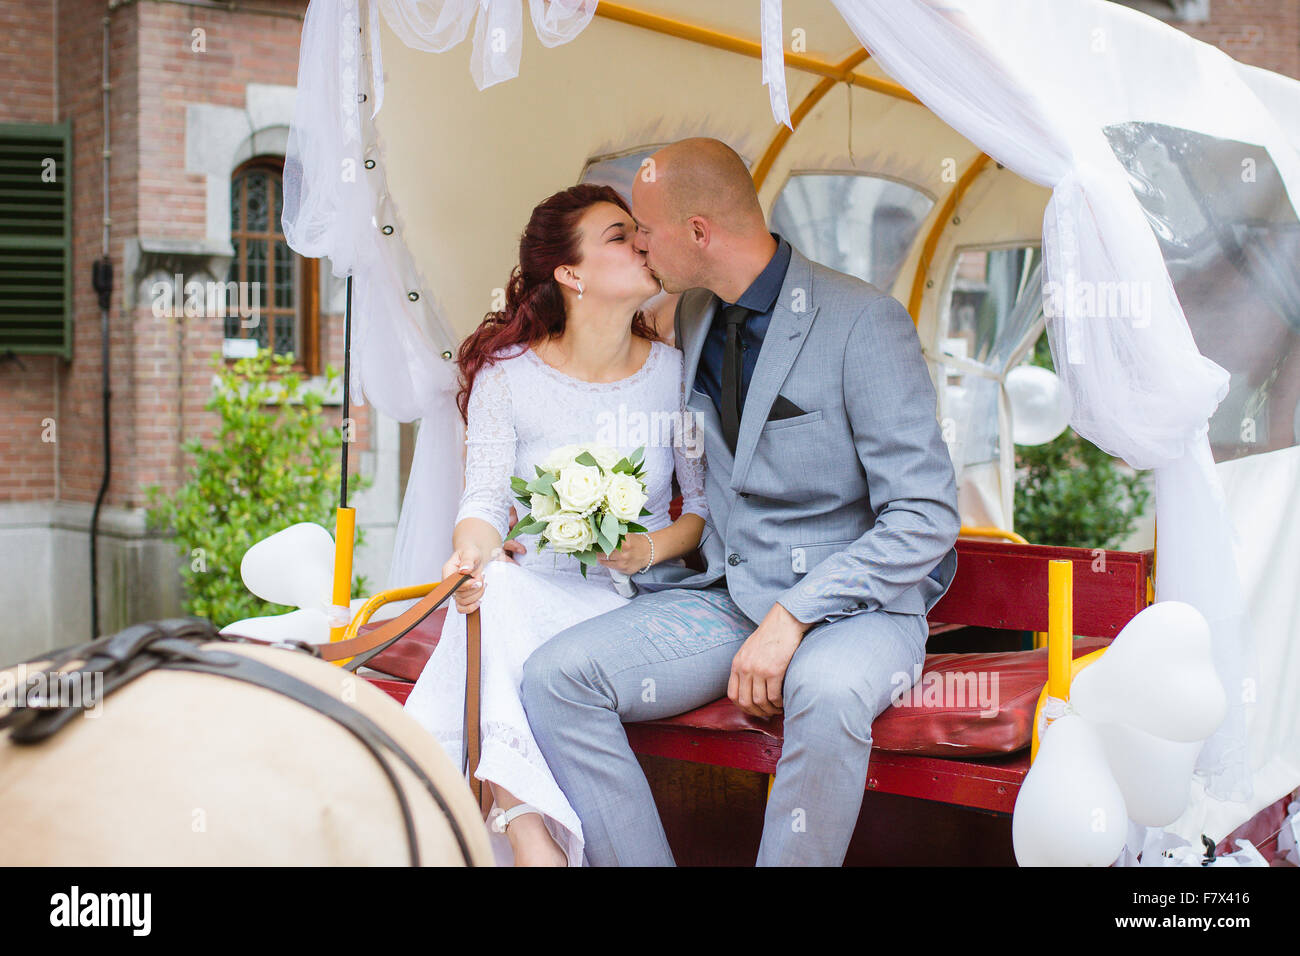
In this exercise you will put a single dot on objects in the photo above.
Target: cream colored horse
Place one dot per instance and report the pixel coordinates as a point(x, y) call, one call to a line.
point(198, 769)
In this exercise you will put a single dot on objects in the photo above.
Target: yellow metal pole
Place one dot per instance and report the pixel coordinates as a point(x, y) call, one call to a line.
point(751, 48)
point(783, 132)
point(345, 523)
point(1060, 627)
point(922, 274)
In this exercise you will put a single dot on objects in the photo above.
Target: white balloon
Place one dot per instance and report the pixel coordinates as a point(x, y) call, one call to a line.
point(1070, 811)
point(1038, 409)
point(1157, 675)
point(1154, 775)
point(307, 624)
point(294, 567)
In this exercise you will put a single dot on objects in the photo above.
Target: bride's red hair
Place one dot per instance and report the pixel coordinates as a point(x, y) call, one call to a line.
point(534, 305)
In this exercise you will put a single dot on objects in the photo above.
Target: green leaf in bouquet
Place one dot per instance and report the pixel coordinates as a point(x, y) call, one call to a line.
point(527, 525)
point(634, 528)
point(518, 485)
point(542, 484)
point(609, 529)
point(586, 458)
point(586, 558)
point(645, 511)
point(602, 542)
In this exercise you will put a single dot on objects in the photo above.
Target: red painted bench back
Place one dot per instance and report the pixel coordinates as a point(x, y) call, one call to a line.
point(1004, 585)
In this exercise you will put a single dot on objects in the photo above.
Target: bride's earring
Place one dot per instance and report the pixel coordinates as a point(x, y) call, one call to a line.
point(579, 290)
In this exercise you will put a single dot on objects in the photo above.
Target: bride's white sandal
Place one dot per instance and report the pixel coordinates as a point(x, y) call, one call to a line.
point(499, 819)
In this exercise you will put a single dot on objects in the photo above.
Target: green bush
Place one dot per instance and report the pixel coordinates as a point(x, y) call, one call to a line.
point(1070, 493)
point(273, 462)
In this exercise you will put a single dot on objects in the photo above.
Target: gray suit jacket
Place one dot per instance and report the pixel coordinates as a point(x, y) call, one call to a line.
point(848, 507)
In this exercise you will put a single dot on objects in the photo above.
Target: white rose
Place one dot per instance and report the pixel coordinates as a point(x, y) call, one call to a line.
point(625, 497)
point(569, 532)
point(580, 488)
point(561, 457)
point(543, 506)
point(608, 457)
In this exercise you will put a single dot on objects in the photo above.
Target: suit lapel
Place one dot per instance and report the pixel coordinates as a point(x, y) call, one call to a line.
point(694, 344)
point(786, 334)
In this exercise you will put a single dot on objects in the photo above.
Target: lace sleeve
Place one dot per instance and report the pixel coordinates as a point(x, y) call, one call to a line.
point(688, 459)
point(489, 450)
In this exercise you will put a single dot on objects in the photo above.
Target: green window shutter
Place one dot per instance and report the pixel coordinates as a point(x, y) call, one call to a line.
point(36, 238)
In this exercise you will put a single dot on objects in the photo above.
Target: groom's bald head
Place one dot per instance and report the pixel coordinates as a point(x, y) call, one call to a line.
point(705, 177)
point(697, 210)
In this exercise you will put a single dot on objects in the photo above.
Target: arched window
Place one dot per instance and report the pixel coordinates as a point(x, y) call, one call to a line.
point(857, 223)
point(289, 321)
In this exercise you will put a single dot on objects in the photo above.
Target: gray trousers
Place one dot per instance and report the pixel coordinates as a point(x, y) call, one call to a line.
point(668, 652)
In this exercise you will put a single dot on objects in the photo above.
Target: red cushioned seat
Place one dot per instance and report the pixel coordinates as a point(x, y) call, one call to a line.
point(407, 657)
point(920, 726)
point(916, 726)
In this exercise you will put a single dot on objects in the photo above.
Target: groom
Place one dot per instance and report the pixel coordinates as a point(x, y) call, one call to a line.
point(833, 513)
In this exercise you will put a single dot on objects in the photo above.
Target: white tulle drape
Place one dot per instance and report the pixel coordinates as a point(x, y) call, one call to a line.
point(436, 26)
point(332, 208)
point(1138, 389)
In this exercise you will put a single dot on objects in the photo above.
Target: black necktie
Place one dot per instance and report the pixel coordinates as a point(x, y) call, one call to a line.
point(732, 373)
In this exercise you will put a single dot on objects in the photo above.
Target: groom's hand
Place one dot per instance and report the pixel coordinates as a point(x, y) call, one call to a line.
point(758, 669)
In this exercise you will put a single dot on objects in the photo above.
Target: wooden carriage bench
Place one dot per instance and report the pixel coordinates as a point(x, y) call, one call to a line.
point(946, 747)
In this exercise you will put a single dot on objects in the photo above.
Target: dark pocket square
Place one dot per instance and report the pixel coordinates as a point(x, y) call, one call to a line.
point(784, 408)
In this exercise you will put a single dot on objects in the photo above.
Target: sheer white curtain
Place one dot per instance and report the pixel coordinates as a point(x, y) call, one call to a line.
point(1138, 387)
point(330, 204)
point(436, 26)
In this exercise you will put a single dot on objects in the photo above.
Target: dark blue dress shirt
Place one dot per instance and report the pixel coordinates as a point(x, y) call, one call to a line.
point(761, 297)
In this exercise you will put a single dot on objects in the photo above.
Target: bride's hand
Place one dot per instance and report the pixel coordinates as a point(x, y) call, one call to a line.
point(631, 557)
point(467, 560)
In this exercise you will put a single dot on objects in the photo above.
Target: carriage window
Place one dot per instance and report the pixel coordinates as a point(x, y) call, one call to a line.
point(286, 281)
point(1230, 239)
point(617, 171)
point(994, 306)
point(862, 225)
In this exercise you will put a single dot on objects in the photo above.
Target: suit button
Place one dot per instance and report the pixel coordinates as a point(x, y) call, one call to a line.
point(733, 559)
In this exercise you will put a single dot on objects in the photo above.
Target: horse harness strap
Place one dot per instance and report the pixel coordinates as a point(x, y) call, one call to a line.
point(173, 645)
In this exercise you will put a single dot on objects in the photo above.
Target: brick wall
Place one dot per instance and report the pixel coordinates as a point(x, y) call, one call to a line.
point(1263, 33)
point(27, 71)
point(160, 371)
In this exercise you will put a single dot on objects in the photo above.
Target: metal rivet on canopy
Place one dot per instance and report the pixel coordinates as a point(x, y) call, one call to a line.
point(387, 230)
point(413, 296)
point(370, 164)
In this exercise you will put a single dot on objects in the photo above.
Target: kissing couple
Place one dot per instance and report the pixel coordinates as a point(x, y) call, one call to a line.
point(823, 508)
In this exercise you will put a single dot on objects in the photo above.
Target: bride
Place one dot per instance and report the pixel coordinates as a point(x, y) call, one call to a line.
point(570, 360)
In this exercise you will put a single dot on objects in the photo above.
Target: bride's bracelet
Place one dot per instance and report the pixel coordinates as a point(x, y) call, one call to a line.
point(652, 552)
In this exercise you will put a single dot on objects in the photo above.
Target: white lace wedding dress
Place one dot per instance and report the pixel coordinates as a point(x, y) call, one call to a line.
point(520, 410)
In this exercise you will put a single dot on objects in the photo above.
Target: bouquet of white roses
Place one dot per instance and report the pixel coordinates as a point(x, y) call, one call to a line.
point(583, 502)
